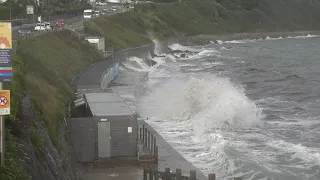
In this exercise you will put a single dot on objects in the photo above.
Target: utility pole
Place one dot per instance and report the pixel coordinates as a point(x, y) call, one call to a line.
point(10, 10)
point(2, 138)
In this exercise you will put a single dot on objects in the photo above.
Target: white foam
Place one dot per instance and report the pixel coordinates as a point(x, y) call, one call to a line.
point(267, 38)
point(234, 41)
point(178, 47)
point(270, 38)
point(203, 53)
point(136, 64)
point(298, 152)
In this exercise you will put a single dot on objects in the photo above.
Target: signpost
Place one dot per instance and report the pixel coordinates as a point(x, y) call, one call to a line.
point(142, 118)
point(5, 76)
point(4, 102)
point(30, 11)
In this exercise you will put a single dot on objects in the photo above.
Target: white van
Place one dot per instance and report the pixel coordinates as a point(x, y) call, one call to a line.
point(88, 13)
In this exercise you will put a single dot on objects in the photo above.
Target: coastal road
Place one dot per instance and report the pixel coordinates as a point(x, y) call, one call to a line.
point(67, 21)
point(76, 21)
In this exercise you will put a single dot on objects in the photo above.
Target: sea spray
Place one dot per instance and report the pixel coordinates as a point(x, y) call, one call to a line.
point(157, 47)
point(209, 100)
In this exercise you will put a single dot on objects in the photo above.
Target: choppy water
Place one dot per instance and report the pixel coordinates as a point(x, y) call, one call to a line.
point(240, 108)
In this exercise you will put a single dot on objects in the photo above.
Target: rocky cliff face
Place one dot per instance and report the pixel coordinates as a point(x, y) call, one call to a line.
point(37, 154)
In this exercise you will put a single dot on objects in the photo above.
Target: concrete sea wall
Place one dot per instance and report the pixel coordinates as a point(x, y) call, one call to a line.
point(101, 74)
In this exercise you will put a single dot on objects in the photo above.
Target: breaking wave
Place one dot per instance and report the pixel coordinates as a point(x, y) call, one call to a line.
point(267, 38)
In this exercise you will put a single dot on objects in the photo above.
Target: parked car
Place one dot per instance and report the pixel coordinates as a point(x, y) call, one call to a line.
point(97, 13)
point(24, 30)
point(106, 11)
point(40, 27)
point(60, 23)
point(48, 25)
point(101, 3)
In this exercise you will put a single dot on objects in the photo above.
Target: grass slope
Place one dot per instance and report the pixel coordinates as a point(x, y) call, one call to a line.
point(51, 61)
point(43, 68)
point(192, 17)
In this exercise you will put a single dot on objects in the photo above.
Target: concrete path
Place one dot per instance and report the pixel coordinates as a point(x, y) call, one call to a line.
point(117, 173)
point(170, 158)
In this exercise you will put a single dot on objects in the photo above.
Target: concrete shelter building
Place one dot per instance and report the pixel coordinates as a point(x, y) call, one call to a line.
point(103, 129)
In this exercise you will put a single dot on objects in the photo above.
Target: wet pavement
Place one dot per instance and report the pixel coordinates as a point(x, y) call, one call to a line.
point(117, 173)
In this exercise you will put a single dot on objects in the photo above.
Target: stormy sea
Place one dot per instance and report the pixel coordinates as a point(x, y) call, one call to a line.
point(247, 108)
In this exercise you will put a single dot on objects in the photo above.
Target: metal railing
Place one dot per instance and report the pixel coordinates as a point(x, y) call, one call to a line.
point(37, 33)
point(149, 142)
point(150, 174)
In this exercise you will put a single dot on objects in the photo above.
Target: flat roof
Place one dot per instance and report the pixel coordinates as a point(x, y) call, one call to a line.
point(107, 104)
point(102, 97)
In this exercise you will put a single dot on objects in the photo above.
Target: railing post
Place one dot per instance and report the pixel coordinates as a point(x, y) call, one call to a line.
point(140, 133)
point(143, 133)
point(145, 136)
point(178, 174)
point(138, 152)
point(211, 177)
point(167, 174)
point(156, 175)
point(145, 174)
point(193, 175)
point(149, 142)
point(154, 145)
point(156, 155)
point(150, 174)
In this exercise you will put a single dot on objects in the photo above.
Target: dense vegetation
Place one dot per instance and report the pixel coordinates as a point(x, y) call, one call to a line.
point(43, 68)
point(12, 170)
point(192, 17)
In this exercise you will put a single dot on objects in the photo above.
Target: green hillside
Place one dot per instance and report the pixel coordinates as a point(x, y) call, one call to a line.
point(192, 17)
point(43, 68)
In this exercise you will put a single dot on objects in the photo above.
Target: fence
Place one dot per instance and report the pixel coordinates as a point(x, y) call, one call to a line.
point(149, 174)
point(37, 33)
point(148, 151)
